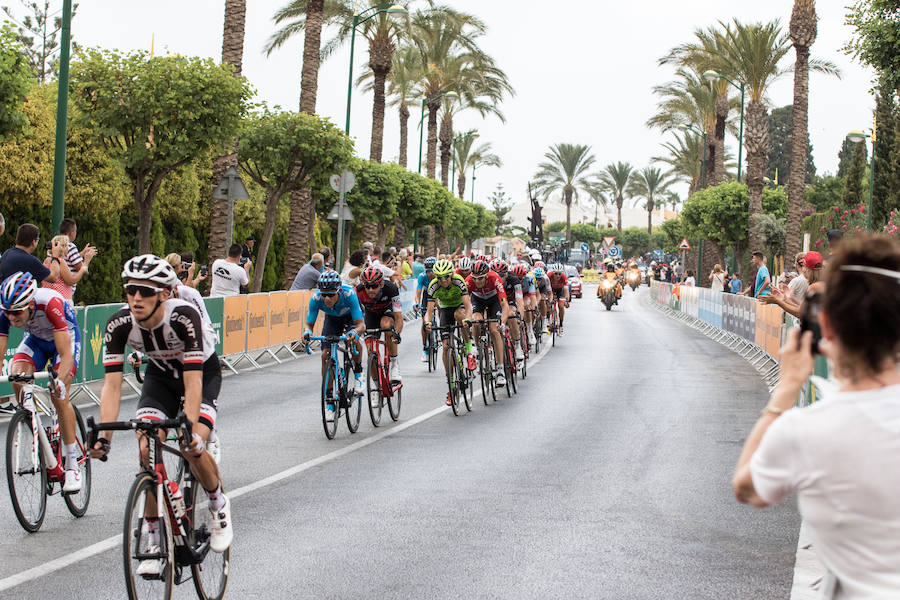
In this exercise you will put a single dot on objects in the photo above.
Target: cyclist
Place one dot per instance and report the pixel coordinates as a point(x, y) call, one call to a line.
point(559, 286)
point(542, 287)
point(51, 334)
point(464, 267)
point(489, 302)
point(422, 299)
point(380, 300)
point(183, 362)
point(342, 314)
point(448, 290)
point(529, 297)
point(512, 285)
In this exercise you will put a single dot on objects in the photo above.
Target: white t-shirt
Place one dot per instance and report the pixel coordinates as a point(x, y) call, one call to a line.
point(227, 278)
point(799, 285)
point(690, 281)
point(842, 458)
point(718, 282)
point(386, 271)
point(345, 275)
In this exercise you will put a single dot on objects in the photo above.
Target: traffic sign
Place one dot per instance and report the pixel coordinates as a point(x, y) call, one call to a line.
point(615, 252)
point(585, 247)
point(345, 180)
point(684, 245)
point(658, 254)
point(608, 241)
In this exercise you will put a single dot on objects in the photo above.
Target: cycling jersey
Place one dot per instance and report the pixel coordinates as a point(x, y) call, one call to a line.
point(189, 294)
point(178, 343)
point(346, 306)
point(558, 280)
point(462, 273)
point(542, 285)
point(512, 285)
point(528, 284)
point(422, 283)
point(387, 300)
point(450, 296)
point(493, 287)
point(51, 314)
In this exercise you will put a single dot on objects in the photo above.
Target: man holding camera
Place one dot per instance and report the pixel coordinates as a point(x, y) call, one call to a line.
point(229, 274)
point(19, 257)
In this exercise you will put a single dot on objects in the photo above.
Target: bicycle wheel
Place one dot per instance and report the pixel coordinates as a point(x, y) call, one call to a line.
point(463, 381)
point(538, 332)
point(484, 373)
point(394, 401)
point(524, 339)
point(373, 389)
point(211, 575)
point(553, 326)
point(491, 366)
point(353, 413)
point(429, 351)
point(78, 503)
point(329, 386)
point(434, 345)
point(452, 374)
point(510, 365)
point(27, 481)
point(135, 544)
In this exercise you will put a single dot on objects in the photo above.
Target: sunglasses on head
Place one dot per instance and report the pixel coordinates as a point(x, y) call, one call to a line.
point(14, 313)
point(145, 291)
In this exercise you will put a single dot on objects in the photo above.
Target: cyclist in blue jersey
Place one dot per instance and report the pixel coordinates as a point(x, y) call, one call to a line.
point(342, 314)
point(422, 284)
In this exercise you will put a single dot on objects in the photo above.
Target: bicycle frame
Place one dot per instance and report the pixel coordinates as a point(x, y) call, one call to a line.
point(340, 373)
point(375, 344)
point(35, 406)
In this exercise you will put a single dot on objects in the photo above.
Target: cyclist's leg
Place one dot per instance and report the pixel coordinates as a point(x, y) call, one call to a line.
point(386, 322)
point(202, 465)
point(493, 312)
point(445, 317)
point(561, 306)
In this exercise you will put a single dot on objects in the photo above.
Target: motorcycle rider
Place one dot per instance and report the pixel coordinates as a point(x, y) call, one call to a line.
point(611, 275)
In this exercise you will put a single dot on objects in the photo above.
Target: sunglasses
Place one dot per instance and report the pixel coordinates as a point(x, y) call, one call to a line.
point(442, 276)
point(321, 293)
point(372, 286)
point(145, 291)
point(14, 313)
point(479, 277)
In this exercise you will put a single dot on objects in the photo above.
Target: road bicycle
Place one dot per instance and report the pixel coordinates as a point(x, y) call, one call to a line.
point(34, 464)
point(337, 388)
point(183, 524)
point(526, 347)
point(459, 379)
point(433, 348)
point(486, 361)
point(538, 328)
point(553, 320)
point(510, 367)
point(381, 390)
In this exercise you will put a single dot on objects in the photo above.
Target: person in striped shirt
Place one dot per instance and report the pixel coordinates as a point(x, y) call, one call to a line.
point(78, 261)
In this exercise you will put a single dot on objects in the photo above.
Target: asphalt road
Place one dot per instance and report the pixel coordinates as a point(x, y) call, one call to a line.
point(608, 476)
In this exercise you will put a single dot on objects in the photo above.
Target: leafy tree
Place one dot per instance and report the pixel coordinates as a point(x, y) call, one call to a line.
point(156, 114)
point(853, 183)
point(824, 192)
point(374, 198)
point(635, 241)
point(585, 232)
point(649, 183)
point(780, 136)
point(876, 40)
point(501, 204)
point(845, 157)
point(15, 80)
point(771, 230)
point(883, 200)
point(674, 230)
point(38, 34)
point(284, 151)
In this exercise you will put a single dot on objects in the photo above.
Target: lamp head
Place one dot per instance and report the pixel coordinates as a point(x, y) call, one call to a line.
point(856, 136)
point(711, 75)
point(450, 94)
point(396, 9)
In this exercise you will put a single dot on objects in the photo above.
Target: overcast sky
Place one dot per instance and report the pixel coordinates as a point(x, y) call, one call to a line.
point(583, 73)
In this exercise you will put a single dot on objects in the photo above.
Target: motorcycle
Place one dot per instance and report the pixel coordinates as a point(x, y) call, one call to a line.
point(634, 279)
point(607, 292)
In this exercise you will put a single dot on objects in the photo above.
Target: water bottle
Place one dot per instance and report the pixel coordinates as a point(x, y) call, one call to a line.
point(177, 499)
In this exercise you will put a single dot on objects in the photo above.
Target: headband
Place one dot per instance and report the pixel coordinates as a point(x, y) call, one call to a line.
point(873, 270)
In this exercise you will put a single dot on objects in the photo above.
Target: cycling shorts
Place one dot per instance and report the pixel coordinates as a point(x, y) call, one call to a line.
point(447, 318)
point(334, 326)
point(559, 293)
point(490, 308)
point(161, 395)
point(373, 320)
point(39, 352)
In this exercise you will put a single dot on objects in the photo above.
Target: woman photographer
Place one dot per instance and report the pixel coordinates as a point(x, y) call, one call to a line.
point(841, 455)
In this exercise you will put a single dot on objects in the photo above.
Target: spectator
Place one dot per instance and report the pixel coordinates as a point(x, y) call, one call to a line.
point(689, 278)
point(327, 256)
point(353, 268)
point(19, 257)
point(2, 226)
point(78, 261)
point(65, 285)
point(812, 274)
point(840, 456)
point(799, 284)
point(734, 286)
point(418, 265)
point(406, 269)
point(228, 275)
point(187, 262)
point(678, 271)
point(717, 279)
point(835, 236)
point(763, 280)
point(308, 275)
point(369, 247)
point(247, 248)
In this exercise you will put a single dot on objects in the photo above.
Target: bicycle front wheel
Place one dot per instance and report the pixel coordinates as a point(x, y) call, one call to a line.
point(452, 375)
point(373, 389)
point(330, 393)
point(27, 480)
point(78, 503)
point(354, 401)
point(484, 373)
point(211, 574)
point(138, 546)
point(524, 339)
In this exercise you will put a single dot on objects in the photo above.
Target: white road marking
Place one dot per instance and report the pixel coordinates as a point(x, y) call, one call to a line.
point(109, 543)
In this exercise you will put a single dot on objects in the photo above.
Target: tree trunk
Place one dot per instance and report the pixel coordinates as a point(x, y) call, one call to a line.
point(370, 232)
point(298, 234)
point(650, 216)
point(232, 54)
point(399, 233)
point(404, 131)
point(380, 55)
point(619, 202)
point(567, 198)
point(757, 138)
point(799, 137)
point(309, 74)
point(461, 183)
point(446, 138)
point(259, 266)
point(431, 161)
point(710, 160)
point(718, 165)
point(145, 216)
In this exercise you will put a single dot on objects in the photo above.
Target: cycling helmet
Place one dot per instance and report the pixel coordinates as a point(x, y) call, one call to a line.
point(480, 268)
point(540, 264)
point(370, 275)
point(499, 266)
point(483, 258)
point(538, 273)
point(443, 268)
point(556, 268)
point(519, 270)
point(149, 267)
point(329, 282)
point(464, 263)
point(429, 263)
point(17, 291)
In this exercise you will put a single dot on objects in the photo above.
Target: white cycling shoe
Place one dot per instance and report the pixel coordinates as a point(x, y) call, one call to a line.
point(394, 371)
point(220, 534)
point(150, 567)
point(359, 385)
point(329, 412)
point(72, 484)
point(501, 379)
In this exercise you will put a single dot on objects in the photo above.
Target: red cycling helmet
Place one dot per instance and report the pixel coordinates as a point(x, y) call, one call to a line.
point(480, 268)
point(519, 270)
point(499, 266)
point(372, 275)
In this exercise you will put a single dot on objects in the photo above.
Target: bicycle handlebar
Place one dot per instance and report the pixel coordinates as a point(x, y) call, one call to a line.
point(50, 374)
point(331, 339)
point(179, 422)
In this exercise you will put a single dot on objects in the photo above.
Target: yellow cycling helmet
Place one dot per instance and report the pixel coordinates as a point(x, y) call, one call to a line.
point(442, 268)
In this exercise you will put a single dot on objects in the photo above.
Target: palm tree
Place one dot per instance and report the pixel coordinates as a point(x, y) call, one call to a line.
point(403, 80)
point(566, 170)
point(671, 198)
point(684, 159)
point(649, 183)
point(803, 30)
point(232, 54)
point(617, 177)
point(467, 157)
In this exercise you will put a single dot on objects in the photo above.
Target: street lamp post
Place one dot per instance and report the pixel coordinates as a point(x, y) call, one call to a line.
point(472, 134)
point(856, 137)
point(358, 18)
point(440, 94)
point(715, 75)
point(473, 181)
point(695, 131)
point(62, 115)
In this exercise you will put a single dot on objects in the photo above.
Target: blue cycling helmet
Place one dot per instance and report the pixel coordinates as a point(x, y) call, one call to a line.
point(329, 282)
point(429, 263)
point(538, 273)
point(17, 291)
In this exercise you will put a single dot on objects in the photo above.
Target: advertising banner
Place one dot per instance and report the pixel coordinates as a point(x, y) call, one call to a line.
point(234, 340)
point(257, 321)
point(95, 319)
point(407, 294)
point(215, 307)
point(278, 318)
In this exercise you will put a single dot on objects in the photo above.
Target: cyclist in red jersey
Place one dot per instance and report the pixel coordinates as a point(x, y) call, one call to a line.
point(559, 288)
point(464, 267)
point(489, 302)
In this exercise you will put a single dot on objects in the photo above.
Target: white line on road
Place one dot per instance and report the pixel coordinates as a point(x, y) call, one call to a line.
point(111, 542)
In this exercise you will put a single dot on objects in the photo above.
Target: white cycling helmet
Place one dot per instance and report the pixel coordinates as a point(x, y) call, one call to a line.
point(464, 263)
point(556, 268)
point(149, 267)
